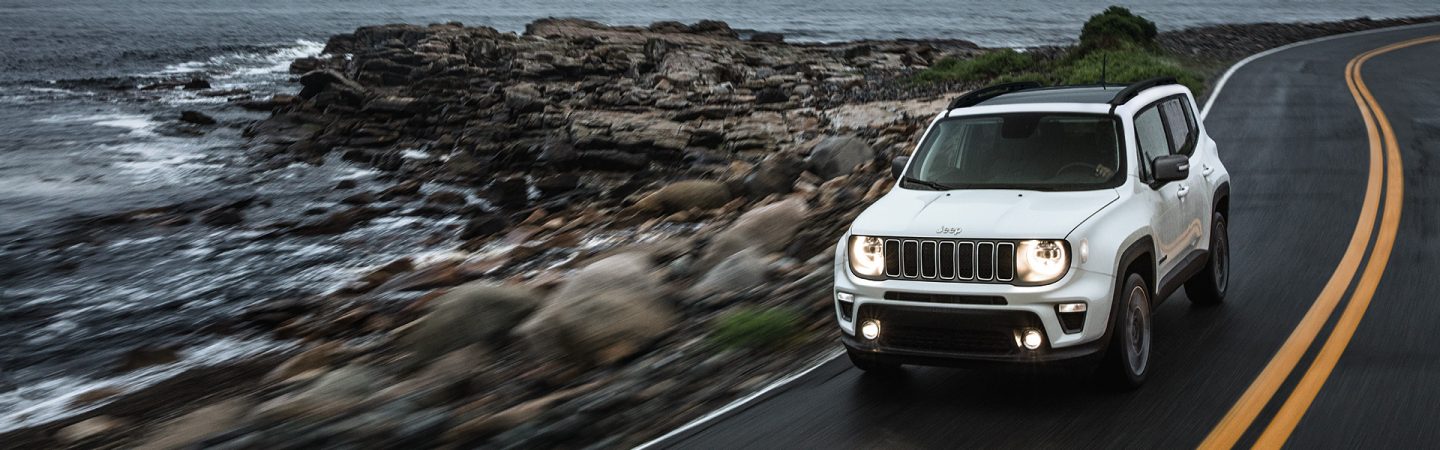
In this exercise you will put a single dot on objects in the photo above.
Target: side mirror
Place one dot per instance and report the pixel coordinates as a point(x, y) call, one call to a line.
point(897, 165)
point(1171, 168)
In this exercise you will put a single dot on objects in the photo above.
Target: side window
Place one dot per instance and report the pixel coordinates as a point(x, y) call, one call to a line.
point(1182, 126)
point(1150, 134)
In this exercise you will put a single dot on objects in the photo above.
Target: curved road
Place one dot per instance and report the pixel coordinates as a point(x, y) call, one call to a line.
point(1328, 338)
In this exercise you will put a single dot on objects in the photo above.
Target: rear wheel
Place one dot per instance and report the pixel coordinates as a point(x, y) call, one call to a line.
point(1127, 361)
point(1208, 287)
point(869, 363)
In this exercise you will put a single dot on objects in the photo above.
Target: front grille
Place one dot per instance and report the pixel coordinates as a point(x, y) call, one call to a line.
point(949, 260)
point(974, 332)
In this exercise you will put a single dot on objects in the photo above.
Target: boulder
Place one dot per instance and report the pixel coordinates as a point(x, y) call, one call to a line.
point(473, 313)
point(685, 195)
point(605, 312)
point(483, 225)
point(524, 98)
point(334, 393)
point(743, 270)
point(196, 117)
point(308, 362)
point(767, 229)
point(142, 357)
point(89, 428)
point(774, 175)
point(188, 430)
point(838, 155)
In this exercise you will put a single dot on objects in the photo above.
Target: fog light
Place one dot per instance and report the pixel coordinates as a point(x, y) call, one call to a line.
point(1032, 339)
point(1072, 307)
point(845, 296)
point(870, 329)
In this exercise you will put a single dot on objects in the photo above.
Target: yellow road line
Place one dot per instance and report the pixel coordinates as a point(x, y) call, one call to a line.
point(1304, 394)
point(1244, 411)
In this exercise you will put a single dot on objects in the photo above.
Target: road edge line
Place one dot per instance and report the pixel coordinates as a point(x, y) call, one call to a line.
point(742, 401)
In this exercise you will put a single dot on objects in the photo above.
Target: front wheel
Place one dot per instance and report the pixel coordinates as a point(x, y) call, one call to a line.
point(1208, 287)
point(1127, 361)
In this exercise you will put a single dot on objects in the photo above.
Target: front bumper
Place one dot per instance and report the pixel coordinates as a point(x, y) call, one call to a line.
point(935, 333)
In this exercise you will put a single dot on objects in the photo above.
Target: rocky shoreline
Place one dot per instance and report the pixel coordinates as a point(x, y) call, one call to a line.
point(644, 222)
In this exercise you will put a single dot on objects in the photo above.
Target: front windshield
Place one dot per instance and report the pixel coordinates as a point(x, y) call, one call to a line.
point(1038, 151)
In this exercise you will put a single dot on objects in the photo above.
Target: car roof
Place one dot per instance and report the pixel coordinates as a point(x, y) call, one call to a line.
point(1060, 94)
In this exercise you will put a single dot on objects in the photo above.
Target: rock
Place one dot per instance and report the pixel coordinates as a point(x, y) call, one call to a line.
point(557, 184)
point(308, 363)
point(302, 65)
point(686, 195)
point(197, 84)
point(524, 98)
point(391, 105)
point(838, 155)
point(360, 198)
point(95, 395)
point(771, 95)
point(483, 225)
point(334, 393)
point(446, 198)
point(606, 312)
point(89, 428)
point(489, 425)
point(768, 37)
point(196, 117)
point(767, 229)
point(222, 216)
point(744, 270)
point(143, 357)
point(473, 313)
point(337, 222)
point(348, 183)
point(315, 82)
point(188, 430)
point(774, 175)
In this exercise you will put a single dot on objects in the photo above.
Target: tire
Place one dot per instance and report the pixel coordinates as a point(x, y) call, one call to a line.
point(1127, 361)
point(869, 364)
point(1208, 287)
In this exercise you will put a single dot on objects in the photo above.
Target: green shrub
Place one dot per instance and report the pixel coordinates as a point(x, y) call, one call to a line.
point(749, 327)
point(1125, 66)
point(982, 67)
point(1116, 27)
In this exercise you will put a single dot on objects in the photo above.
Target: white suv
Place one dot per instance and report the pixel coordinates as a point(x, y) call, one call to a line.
point(1038, 224)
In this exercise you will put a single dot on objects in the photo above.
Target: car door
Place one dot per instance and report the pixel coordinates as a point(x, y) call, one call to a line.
point(1168, 222)
point(1193, 193)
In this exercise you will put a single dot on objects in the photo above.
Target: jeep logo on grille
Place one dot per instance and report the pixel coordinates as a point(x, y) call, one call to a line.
point(953, 231)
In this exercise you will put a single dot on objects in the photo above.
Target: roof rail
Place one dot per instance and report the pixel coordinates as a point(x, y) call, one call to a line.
point(974, 97)
point(1135, 88)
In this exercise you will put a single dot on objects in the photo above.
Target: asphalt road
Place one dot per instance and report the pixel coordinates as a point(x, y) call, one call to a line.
point(1297, 145)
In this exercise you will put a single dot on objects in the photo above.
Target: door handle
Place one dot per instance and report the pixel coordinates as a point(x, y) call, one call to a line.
point(1207, 170)
point(1182, 192)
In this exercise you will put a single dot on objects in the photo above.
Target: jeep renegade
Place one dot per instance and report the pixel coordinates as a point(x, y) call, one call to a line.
point(1038, 224)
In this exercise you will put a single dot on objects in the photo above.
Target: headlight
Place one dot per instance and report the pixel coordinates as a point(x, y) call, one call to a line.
point(1040, 262)
point(867, 257)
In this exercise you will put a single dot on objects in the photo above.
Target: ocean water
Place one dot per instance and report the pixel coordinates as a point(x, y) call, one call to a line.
point(77, 141)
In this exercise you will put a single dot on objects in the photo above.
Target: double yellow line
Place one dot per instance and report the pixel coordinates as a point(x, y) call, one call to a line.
point(1385, 168)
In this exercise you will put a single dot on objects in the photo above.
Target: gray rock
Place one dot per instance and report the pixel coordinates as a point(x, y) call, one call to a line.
point(684, 195)
point(838, 155)
point(741, 271)
point(605, 312)
point(473, 313)
point(768, 229)
point(774, 175)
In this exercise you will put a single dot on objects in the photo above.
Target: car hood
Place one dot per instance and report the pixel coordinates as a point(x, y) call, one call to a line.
point(981, 213)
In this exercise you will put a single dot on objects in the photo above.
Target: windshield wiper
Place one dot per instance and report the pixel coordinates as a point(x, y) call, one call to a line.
point(930, 184)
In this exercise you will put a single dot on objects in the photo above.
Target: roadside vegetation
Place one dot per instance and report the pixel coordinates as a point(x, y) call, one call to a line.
point(756, 328)
point(1115, 44)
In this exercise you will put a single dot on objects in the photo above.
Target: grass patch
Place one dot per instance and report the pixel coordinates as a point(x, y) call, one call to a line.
point(983, 67)
point(1123, 66)
point(755, 328)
